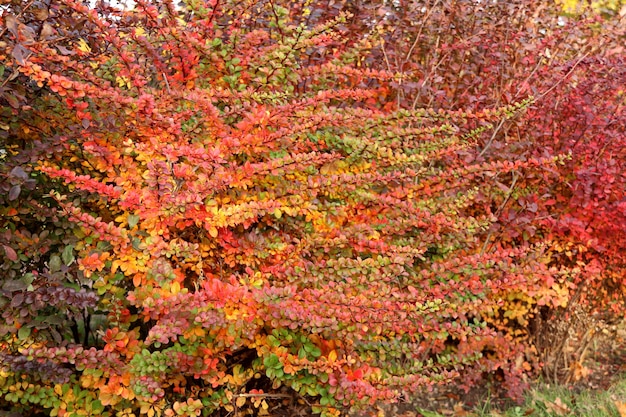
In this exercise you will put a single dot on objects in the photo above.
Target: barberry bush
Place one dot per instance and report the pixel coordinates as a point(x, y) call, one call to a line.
point(230, 206)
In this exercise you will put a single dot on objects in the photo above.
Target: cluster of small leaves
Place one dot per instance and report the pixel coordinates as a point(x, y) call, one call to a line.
point(44, 370)
point(44, 308)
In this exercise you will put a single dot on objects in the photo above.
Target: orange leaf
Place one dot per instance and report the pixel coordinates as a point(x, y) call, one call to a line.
point(579, 371)
point(621, 408)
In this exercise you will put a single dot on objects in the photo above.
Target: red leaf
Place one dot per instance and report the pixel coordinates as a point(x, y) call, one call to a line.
point(11, 254)
point(12, 100)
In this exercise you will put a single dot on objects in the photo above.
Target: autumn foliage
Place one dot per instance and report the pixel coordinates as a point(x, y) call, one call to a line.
point(235, 205)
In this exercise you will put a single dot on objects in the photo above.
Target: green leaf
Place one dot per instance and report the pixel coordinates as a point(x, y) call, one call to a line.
point(316, 352)
point(272, 341)
point(301, 353)
point(23, 333)
point(55, 263)
point(133, 219)
point(68, 255)
point(272, 362)
point(97, 407)
point(28, 278)
point(313, 350)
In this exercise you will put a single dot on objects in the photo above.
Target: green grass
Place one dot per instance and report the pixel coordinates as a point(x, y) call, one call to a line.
point(553, 401)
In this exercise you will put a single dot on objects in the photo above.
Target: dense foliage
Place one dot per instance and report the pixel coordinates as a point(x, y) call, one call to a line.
point(236, 206)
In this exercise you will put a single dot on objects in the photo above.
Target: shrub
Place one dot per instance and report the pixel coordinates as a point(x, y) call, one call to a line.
point(247, 217)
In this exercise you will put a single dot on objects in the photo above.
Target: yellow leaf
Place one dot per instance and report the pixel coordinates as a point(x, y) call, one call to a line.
point(278, 213)
point(332, 356)
point(213, 231)
point(175, 288)
point(123, 82)
point(83, 46)
point(240, 401)
point(108, 398)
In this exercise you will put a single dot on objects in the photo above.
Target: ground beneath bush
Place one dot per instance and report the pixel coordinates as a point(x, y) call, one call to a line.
point(604, 364)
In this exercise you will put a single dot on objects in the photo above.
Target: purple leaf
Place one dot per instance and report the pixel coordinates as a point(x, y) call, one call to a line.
point(14, 192)
point(17, 300)
point(20, 54)
point(18, 172)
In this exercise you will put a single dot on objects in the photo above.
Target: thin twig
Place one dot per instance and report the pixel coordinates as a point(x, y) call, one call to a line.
point(549, 90)
point(545, 93)
point(263, 395)
point(499, 211)
point(493, 136)
point(167, 84)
